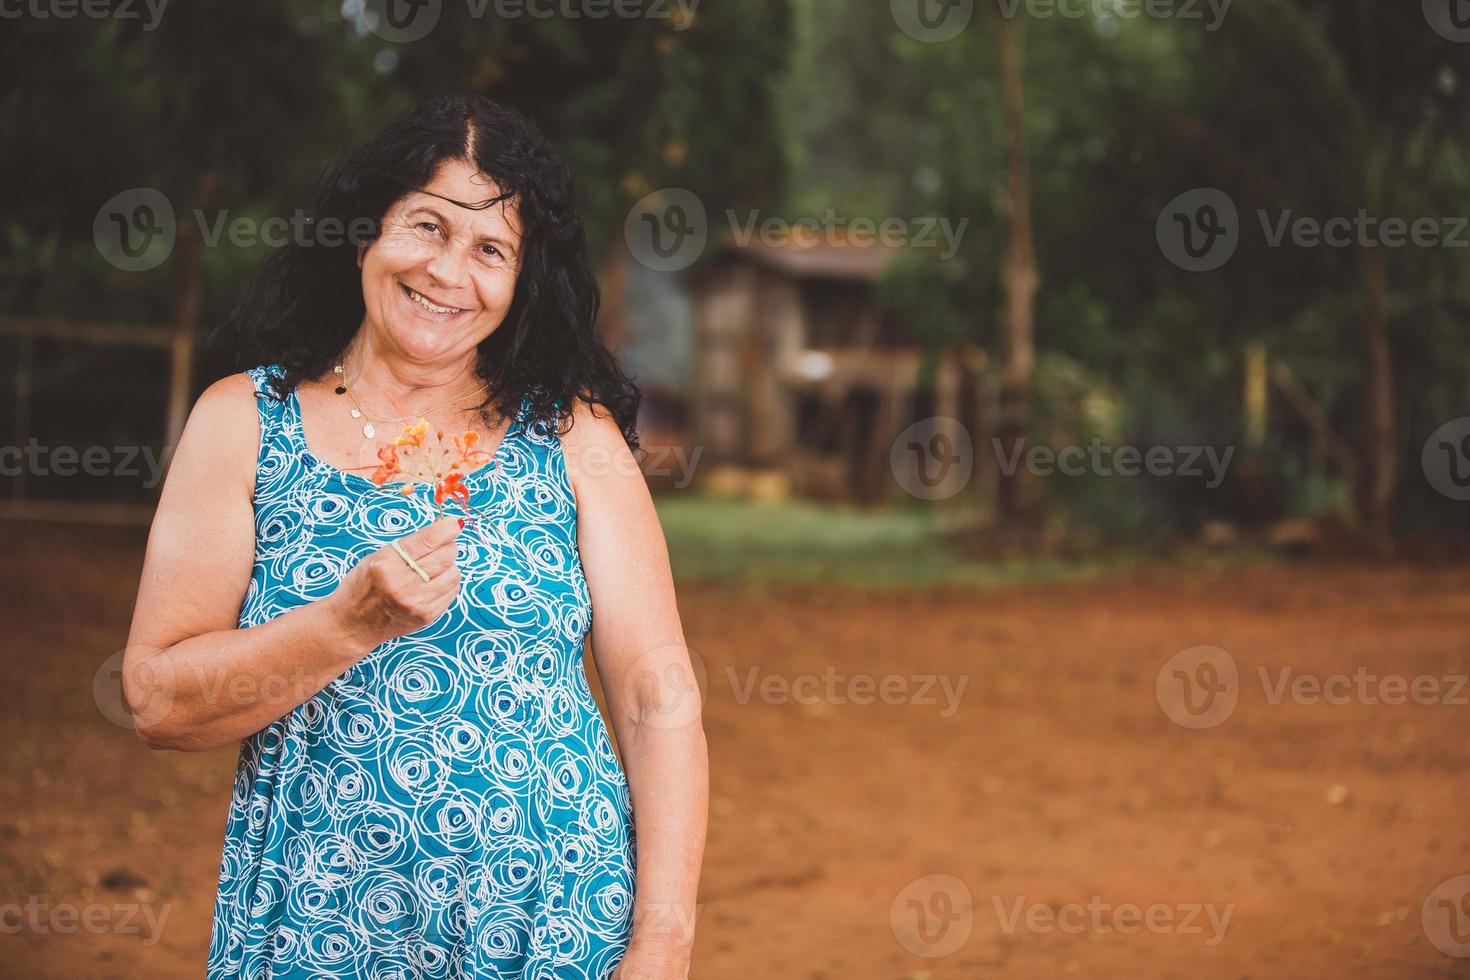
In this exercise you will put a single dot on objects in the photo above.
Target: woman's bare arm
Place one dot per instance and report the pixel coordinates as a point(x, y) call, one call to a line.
point(653, 700)
point(192, 678)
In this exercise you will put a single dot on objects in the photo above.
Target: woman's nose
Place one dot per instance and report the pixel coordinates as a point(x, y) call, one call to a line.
point(447, 267)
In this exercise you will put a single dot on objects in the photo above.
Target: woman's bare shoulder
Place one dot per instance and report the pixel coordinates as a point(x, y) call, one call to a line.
point(598, 459)
point(592, 424)
point(223, 431)
point(227, 409)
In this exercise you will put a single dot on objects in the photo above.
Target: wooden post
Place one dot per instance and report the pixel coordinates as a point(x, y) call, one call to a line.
point(1020, 277)
point(185, 320)
point(1254, 397)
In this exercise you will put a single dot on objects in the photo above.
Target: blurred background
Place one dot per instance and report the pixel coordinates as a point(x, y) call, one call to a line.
point(1058, 410)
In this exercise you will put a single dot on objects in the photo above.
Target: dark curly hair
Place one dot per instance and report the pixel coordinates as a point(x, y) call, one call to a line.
point(305, 302)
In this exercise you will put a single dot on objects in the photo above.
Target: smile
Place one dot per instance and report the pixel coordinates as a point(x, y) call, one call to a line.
point(429, 304)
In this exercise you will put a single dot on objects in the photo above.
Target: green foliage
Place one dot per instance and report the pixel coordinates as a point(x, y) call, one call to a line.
point(1277, 108)
point(262, 96)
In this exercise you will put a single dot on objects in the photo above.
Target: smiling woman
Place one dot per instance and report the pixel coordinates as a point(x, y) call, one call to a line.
point(426, 786)
point(472, 210)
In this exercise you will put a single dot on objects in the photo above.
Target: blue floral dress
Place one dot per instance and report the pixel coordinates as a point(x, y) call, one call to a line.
point(451, 806)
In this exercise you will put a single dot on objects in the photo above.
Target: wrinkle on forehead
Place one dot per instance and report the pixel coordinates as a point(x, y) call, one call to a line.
point(506, 200)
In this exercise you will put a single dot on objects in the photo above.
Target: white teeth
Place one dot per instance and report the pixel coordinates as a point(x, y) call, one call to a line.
point(432, 308)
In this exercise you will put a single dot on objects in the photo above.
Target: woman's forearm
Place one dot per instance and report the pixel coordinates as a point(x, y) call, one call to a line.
point(217, 688)
point(668, 778)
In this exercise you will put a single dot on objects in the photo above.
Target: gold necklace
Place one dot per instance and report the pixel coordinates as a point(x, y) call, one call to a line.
point(368, 429)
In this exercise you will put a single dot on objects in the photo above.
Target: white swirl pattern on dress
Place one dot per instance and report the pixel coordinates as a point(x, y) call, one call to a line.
point(451, 806)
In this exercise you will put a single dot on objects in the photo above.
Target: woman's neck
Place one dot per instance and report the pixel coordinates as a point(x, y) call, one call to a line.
point(405, 384)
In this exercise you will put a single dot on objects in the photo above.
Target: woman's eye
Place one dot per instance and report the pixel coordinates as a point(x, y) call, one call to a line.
point(491, 250)
point(430, 227)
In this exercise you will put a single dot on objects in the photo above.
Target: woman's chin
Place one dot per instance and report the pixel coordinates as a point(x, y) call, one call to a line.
point(425, 345)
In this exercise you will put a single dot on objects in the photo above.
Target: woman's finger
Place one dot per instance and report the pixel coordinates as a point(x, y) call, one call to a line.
point(428, 539)
point(436, 561)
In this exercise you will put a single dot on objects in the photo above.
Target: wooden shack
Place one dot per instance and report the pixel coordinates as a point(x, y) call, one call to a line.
point(800, 371)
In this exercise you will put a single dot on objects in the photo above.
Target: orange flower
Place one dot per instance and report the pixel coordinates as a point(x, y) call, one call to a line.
point(389, 465)
point(469, 456)
point(431, 462)
point(452, 487)
point(413, 435)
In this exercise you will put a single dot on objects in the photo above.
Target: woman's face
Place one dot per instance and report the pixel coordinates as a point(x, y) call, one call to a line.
point(440, 278)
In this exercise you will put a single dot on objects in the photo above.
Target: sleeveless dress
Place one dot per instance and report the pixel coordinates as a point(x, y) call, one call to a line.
point(451, 806)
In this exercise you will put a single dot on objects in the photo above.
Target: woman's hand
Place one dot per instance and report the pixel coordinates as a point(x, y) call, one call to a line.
point(197, 679)
point(382, 598)
point(656, 960)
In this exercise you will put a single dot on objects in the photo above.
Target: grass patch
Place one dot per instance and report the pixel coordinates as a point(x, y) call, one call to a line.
point(801, 542)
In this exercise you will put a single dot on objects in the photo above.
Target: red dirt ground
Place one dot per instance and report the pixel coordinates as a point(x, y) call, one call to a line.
point(1058, 783)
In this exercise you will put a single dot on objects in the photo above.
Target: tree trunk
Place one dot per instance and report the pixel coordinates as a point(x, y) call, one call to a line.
point(612, 320)
point(188, 297)
point(1015, 496)
point(1376, 486)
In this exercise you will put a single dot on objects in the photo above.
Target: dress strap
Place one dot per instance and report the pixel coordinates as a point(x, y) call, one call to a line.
point(271, 407)
point(274, 411)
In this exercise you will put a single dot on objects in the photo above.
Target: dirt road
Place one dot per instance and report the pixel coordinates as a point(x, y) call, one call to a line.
point(921, 785)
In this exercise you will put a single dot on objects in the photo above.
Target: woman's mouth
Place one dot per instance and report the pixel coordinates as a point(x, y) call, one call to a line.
point(423, 302)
